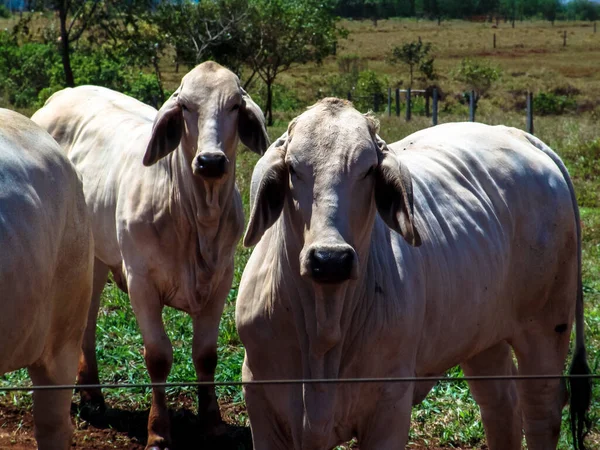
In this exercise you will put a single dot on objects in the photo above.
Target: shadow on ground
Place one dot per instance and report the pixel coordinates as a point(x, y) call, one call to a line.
point(186, 429)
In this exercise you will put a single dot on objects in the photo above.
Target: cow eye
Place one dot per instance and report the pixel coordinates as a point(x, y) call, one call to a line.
point(369, 172)
point(235, 107)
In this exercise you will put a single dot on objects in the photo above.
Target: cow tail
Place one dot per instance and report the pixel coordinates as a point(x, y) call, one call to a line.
point(580, 386)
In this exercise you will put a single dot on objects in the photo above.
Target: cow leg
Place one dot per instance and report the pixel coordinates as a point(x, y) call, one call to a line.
point(269, 432)
point(387, 428)
point(498, 399)
point(541, 350)
point(88, 366)
point(51, 409)
point(204, 355)
point(158, 353)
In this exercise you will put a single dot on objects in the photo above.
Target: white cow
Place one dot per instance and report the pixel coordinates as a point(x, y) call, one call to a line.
point(349, 279)
point(167, 231)
point(46, 263)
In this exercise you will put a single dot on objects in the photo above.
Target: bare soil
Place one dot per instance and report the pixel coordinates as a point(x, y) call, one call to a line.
point(126, 430)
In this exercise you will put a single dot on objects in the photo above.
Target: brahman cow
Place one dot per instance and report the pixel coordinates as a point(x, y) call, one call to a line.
point(46, 266)
point(167, 213)
point(449, 247)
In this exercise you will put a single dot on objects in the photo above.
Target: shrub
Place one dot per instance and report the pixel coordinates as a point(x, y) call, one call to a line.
point(4, 12)
point(549, 103)
point(25, 70)
point(476, 75)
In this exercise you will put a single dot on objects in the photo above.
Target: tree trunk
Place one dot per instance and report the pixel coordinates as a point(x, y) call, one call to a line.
point(269, 107)
point(64, 46)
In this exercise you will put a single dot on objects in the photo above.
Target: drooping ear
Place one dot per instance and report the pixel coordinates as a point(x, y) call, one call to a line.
point(394, 195)
point(166, 131)
point(251, 125)
point(267, 191)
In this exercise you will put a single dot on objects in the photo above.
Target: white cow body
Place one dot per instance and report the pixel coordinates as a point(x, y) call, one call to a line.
point(167, 214)
point(45, 269)
point(497, 265)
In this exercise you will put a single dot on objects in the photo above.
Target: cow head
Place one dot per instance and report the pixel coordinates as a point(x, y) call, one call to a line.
point(331, 172)
point(207, 114)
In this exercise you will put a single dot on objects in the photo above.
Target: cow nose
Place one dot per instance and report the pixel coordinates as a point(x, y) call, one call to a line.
point(210, 165)
point(331, 265)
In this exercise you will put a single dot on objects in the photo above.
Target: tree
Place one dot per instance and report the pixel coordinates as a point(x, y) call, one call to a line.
point(478, 76)
point(550, 9)
point(285, 32)
point(415, 54)
point(202, 30)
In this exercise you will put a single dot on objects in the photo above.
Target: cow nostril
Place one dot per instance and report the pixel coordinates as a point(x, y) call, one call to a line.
point(331, 265)
point(210, 165)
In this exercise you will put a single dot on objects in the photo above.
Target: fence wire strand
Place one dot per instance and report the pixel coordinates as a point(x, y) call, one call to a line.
point(444, 379)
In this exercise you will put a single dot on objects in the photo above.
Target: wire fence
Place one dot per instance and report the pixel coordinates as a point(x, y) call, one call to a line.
point(445, 379)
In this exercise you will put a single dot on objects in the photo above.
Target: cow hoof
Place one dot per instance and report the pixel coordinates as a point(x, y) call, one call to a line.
point(156, 447)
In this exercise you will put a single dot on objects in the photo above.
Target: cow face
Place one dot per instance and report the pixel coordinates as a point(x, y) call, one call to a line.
point(206, 115)
point(331, 173)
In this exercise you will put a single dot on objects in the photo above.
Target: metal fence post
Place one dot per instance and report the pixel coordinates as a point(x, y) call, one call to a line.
point(408, 104)
point(389, 108)
point(434, 114)
point(530, 112)
point(472, 106)
point(349, 96)
point(376, 102)
point(397, 102)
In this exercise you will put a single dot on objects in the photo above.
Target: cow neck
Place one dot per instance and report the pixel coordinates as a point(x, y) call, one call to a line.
point(323, 317)
point(196, 201)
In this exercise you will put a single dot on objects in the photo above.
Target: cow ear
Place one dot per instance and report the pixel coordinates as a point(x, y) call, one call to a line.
point(267, 191)
point(251, 126)
point(394, 195)
point(166, 131)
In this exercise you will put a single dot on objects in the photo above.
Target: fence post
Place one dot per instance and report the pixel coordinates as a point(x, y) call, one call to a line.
point(472, 107)
point(376, 102)
point(389, 108)
point(564, 38)
point(349, 96)
point(494, 40)
point(397, 102)
point(594, 27)
point(408, 104)
point(434, 114)
point(530, 112)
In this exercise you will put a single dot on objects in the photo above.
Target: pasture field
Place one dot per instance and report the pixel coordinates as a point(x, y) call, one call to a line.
point(531, 57)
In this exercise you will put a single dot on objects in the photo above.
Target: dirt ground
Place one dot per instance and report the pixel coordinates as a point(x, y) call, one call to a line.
point(126, 430)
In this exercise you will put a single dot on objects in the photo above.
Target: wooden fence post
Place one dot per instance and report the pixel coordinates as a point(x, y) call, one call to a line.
point(564, 38)
point(435, 107)
point(472, 106)
point(408, 104)
point(594, 27)
point(376, 102)
point(389, 108)
point(397, 102)
point(530, 112)
point(494, 40)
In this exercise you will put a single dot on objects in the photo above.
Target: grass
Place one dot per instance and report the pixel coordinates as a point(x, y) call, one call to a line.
point(532, 58)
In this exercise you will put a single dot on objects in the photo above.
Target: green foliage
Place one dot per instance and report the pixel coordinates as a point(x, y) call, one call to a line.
point(415, 54)
point(477, 75)
point(4, 12)
point(362, 86)
point(25, 70)
point(549, 103)
point(30, 73)
point(583, 10)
